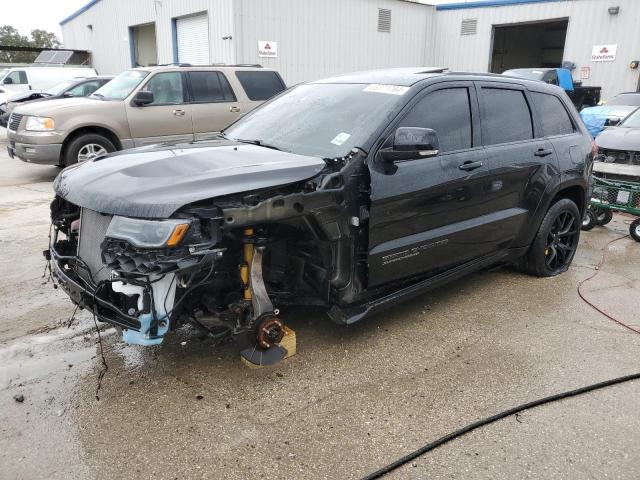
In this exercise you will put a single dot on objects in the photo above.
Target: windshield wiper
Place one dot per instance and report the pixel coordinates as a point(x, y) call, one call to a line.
point(257, 142)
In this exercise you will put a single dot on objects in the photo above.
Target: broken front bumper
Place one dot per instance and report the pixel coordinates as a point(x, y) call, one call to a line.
point(150, 324)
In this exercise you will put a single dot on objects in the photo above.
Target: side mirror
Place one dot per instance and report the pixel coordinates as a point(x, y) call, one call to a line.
point(411, 143)
point(67, 95)
point(8, 81)
point(143, 98)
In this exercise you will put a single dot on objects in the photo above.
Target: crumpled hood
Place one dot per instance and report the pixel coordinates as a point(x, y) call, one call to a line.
point(52, 106)
point(620, 138)
point(154, 182)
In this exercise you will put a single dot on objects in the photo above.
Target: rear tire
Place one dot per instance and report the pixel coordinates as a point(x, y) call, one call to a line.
point(555, 244)
point(87, 146)
point(589, 220)
point(634, 230)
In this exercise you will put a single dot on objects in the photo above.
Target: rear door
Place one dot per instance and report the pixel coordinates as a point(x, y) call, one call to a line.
point(557, 126)
point(520, 165)
point(168, 118)
point(213, 103)
point(428, 214)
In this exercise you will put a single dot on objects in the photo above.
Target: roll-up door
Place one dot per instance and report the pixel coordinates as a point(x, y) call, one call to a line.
point(192, 34)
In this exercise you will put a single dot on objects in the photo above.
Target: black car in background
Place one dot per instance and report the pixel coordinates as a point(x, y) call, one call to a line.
point(80, 87)
point(348, 194)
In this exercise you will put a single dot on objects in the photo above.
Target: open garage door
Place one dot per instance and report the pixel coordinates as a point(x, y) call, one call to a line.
point(192, 35)
point(144, 50)
point(539, 44)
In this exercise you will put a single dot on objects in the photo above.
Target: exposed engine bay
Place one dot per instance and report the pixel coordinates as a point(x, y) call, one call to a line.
point(225, 264)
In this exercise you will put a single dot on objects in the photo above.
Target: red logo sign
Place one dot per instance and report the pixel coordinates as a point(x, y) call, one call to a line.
point(268, 47)
point(604, 50)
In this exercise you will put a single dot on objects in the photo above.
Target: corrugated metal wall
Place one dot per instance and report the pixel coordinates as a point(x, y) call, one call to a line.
point(108, 39)
point(317, 39)
point(589, 24)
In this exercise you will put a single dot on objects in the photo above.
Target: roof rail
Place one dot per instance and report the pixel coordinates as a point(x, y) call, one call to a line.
point(176, 64)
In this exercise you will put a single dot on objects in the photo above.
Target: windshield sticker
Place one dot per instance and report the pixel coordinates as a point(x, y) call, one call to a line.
point(388, 89)
point(340, 138)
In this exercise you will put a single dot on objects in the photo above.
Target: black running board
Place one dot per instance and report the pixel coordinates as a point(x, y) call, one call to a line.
point(352, 314)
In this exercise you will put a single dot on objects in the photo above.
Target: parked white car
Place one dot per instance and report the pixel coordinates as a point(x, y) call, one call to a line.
point(17, 79)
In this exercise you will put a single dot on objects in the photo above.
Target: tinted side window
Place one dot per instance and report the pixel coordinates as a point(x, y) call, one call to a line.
point(446, 111)
point(167, 88)
point(260, 85)
point(553, 116)
point(210, 87)
point(19, 77)
point(505, 117)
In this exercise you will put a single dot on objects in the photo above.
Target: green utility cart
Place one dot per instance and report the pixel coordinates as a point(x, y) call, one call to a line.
point(613, 195)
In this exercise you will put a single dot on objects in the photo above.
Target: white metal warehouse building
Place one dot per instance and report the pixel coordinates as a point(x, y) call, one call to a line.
point(309, 39)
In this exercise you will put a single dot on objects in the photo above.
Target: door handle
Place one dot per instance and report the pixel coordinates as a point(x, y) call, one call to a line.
point(543, 152)
point(234, 109)
point(179, 113)
point(470, 165)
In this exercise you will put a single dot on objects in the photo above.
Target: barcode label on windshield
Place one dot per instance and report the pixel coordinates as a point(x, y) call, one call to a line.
point(388, 89)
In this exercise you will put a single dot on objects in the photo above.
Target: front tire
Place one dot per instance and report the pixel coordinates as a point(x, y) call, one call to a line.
point(86, 147)
point(555, 244)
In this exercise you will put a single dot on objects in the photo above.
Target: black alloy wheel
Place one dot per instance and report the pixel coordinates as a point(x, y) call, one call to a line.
point(555, 244)
point(562, 241)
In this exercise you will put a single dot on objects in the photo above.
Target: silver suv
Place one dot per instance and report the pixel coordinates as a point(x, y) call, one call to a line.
point(139, 107)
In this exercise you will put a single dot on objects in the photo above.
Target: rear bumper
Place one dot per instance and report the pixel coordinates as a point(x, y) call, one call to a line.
point(86, 294)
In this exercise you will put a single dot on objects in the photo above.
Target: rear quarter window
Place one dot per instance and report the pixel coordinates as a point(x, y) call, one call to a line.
point(553, 117)
point(506, 116)
point(260, 85)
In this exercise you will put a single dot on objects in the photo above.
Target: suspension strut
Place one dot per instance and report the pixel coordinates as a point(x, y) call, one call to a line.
point(266, 330)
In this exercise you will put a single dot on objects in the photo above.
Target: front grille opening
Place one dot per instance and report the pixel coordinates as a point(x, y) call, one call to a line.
point(93, 228)
point(14, 121)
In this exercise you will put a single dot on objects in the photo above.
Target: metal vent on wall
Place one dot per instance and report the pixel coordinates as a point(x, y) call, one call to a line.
point(469, 26)
point(384, 20)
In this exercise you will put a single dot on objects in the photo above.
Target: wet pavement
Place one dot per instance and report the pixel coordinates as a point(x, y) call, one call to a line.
point(352, 400)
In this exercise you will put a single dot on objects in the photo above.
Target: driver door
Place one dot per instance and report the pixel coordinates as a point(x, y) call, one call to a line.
point(168, 117)
point(428, 214)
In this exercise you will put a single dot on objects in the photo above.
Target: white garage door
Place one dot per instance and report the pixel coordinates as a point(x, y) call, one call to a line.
point(193, 39)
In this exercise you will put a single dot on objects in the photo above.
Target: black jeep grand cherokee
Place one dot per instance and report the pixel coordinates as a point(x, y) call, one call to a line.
point(350, 193)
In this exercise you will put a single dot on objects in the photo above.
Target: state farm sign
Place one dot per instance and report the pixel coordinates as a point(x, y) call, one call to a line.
point(267, 48)
point(603, 53)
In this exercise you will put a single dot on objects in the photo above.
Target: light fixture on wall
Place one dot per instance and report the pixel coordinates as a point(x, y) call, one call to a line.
point(227, 37)
point(614, 10)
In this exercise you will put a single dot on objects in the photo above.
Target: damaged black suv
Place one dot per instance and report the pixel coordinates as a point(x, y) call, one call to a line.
point(349, 194)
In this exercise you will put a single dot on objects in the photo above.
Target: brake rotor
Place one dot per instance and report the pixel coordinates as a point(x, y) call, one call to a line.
point(270, 332)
